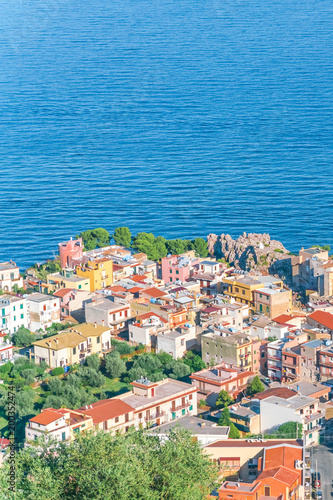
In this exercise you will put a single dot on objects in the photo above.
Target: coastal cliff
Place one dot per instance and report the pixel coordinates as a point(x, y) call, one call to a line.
point(251, 252)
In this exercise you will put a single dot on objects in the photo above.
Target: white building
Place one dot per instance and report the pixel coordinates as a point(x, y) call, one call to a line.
point(104, 311)
point(9, 276)
point(6, 349)
point(176, 342)
point(43, 311)
point(13, 313)
point(146, 327)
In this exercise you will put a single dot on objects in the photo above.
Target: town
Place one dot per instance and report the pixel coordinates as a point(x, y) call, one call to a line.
point(120, 334)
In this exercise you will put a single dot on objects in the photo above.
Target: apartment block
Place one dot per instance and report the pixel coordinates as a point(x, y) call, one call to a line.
point(145, 328)
point(98, 271)
point(242, 287)
point(177, 267)
point(66, 278)
point(10, 276)
point(13, 313)
point(104, 311)
point(272, 301)
point(177, 342)
point(43, 311)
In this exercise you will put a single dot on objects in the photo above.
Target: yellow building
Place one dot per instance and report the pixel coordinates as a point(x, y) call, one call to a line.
point(99, 272)
point(64, 279)
point(242, 287)
point(73, 346)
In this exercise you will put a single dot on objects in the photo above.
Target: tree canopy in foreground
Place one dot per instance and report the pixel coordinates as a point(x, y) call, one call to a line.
point(101, 466)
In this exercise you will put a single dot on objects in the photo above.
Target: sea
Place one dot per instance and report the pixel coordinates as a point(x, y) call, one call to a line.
point(177, 117)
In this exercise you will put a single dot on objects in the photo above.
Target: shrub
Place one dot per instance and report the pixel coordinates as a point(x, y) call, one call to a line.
point(58, 371)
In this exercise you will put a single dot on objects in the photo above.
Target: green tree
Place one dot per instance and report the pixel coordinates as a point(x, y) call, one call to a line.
point(224, 399)
point(176, 247)
point(55, 386)
point(122, 236)
point(225, 417)
point(177, 369)
point(95, 238)
point(114, 365)
point(194, 361)
point(200, 247)
point(23, 337)
point(255, 386)
point(148, 362)
point(93, 362)
point(105, 467)
point(234, 432)
point(123, 348)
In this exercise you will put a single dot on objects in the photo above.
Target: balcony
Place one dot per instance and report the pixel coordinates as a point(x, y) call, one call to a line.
point(289, 363)
point(328, 363)
point(181, 407)
point(312, 416)
point(154, 416)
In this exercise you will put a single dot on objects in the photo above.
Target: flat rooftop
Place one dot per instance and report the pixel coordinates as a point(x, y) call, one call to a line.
point(39, 297)
point(4, 266)
point(195, 425)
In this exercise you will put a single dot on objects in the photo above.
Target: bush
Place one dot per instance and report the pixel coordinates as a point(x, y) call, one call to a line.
point(124, 348)
point(58, 371)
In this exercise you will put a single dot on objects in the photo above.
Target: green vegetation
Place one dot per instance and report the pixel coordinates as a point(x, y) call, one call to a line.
point(122, 236)
point(224, 399)
point(288, 430)
point(255, 386)
point(194, 361)
point(105, 467)
point(278, 250)
point(225, 421)
point(23, 337)
point(271, 339)
point(51, 266)
point(323, 247)
point(95, 238)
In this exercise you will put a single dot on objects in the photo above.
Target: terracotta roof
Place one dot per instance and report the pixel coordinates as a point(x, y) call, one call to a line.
point(106, 409)
point(135, 289)
point(62, 292)
point(154, 292)
point(211, 309)
point(137, 278)
point(243, 443)
point(280, 392)
point(117, 288)
point(150, 315)
point(282, 455)
point(324, 318)
point(282, 474)
point(283, 318)
point(47, 417)
point(4, 443)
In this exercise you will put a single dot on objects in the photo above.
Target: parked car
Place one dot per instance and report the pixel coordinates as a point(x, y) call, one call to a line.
point(266, 380)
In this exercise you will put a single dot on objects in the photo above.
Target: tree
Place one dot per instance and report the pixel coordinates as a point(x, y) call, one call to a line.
point(93, 238)
point(93, 362)
point(122, 236)
point(194, 361)
point(176, 247)
point(90, 377)
point(234, 432)
point(114, 365)
point(148, 362)
point(224, 399)
point(200, 247)
point(102, 467)
point(255, 386)
point(123, 348)
point(23, 337)
point(225, 417)
point(55, 386)
point(177, 369)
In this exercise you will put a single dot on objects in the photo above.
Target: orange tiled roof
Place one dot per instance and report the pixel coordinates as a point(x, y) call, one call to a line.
point(106, 409)
point(282, 455)
point(150, 315)
point(280, 392)
point(282, 474)
point(47, 417)
point(154, 292)
point(137, 278)
point(324, 318)
point(62, 292)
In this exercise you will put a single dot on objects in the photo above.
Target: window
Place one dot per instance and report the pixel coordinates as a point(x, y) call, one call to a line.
point(98, 340)
point(170, 271)
point(140, 415)
point(190, 396)
point(80, 286)
point(63, 436)
point(243, 292)
point(53, 353)
point(126, 417)
point(171, 279)
point(77, 430)
point(267, 491)
point(173, 416)
point(116, 420)
point(14, 318)
point(74, 351)
point(183, 411)
point(182, 342)
point(191, 407)
point(267, 309)
point(254, 352)
point(3, 312)
point(236, 289)
point(260, 295)
point(105, 426)
point(12, 276)
point(262, 354)
point(22, 316)
point(177, 272)
point(14, 308)
point(260, 307)
point(62, 309)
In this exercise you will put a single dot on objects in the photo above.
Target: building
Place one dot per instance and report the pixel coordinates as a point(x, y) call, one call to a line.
point(283, 357)
point(203, 431)
point(243, 460)
point(272, 302)
point(307, 271)
point(104, 311)
point(64, 279)
point(98, 271)
point(69, 251)
point(264, 327)
point(322, 320)
point(212, 381)
point(237, 349)
point(242, 287)
point(149, 403)
point(177, 268)
point(325, 360)
point(145, 328)
point(62, 425)
point(6, 349)
point(177, 342)
point(13, 313)
point(43, 311)
point(72, 302)
point(73, 345)
point(10, 276)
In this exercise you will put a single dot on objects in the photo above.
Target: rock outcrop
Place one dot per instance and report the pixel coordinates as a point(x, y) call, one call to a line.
point(251, 252)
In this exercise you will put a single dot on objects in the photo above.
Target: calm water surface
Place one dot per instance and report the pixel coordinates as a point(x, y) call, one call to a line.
point(178, 117)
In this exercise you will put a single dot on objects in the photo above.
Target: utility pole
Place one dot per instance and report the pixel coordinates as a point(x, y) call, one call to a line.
point(316, 479)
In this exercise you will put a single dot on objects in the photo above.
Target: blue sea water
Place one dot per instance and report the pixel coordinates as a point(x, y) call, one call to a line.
point(177, 117)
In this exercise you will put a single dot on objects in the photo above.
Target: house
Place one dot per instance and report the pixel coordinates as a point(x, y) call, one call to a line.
point(10, 276)
point(245, 459)
point(99, 271)
point(43, 311)
point(222, 345)
point(4, 447)
point(69, 251)
point(264, 327)
point(225, 377)
point(313, 269)
point(72, 302)
point(272, 301)
point(321, 319)
point(104, 311)
point(62, 425)
point(177, 268)
point(13, 313)
point(283, 357)
point(73, 345)
point(203, 431)
point(66, 278)
point(242, 287)
point(145, 328)
point(6, 349)
point(325, 360)
point(149, 403)
point(176, 342)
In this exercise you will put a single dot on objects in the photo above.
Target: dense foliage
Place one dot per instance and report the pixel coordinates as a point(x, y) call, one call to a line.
point(255, 386)
point(95, 238)
point(225, 421)
point(224, 399)
point(105, 467)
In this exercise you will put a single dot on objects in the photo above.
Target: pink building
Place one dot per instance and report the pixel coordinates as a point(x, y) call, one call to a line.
point(177, 267)
point(69, 250)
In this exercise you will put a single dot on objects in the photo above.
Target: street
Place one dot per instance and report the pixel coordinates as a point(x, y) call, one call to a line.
point(323, 454)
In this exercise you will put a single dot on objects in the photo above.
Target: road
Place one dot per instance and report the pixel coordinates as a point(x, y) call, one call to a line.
point(323, 454)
